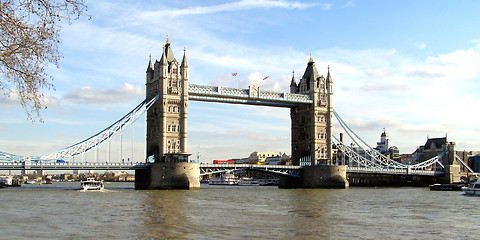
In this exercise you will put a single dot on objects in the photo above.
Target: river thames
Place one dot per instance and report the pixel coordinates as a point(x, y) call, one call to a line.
point(61, 211)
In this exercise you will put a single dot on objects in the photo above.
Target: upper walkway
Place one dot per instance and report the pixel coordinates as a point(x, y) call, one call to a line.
point(250, 96)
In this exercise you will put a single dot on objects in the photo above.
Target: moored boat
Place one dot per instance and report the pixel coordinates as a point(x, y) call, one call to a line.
point(225, 179)
point(92, 184)
point(472, 189)
point(9, 181)
point(245, 181)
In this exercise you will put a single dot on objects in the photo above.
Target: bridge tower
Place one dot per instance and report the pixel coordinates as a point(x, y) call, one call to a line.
point(167, 126)
point(312, 133)
point(167, 118)
point(312, 124)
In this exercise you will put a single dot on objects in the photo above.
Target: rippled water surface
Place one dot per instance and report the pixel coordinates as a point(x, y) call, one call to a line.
point(61, 211)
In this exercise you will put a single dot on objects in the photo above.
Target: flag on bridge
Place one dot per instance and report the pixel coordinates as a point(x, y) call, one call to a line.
point(266, 77)
point(234, 74)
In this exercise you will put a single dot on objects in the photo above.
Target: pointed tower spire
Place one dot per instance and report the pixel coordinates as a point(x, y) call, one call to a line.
point(167, 50)
point(329, 77)
point(293, 83)
point(329, 81)
point(184, 60)
point(311, 75)
point(163, 60)
point(150, 64)
point(310, 60)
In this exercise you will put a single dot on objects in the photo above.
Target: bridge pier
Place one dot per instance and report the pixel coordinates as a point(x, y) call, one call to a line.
point(319, 176)
point(168, 175)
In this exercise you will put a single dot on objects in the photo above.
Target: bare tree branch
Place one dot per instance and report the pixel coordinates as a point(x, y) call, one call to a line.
point(29, 39)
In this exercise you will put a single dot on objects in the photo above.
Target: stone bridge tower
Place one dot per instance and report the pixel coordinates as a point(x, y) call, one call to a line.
point(167, 127)
point(312, 134)
point(312, 124)
point(167, 118)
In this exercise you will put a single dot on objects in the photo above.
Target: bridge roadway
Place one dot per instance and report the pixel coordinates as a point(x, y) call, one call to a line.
point(205, 168)
point(71, 166)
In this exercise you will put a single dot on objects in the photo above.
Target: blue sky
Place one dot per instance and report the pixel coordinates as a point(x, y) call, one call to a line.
point(412, 67)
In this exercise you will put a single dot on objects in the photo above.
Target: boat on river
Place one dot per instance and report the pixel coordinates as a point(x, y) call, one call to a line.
point(225, 179)
point(472, 189)
point(92, 184)
point(9, 181)
point(246, 181)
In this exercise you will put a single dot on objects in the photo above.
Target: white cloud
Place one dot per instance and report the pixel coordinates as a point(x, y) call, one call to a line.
point(412, 98)
point(421, 45)
point(9, 101)
point(89, 95)
point(232, 6)
point(348, 4)
point(12, 101)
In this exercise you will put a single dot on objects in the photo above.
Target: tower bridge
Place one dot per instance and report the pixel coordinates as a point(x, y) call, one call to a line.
point(319, 159)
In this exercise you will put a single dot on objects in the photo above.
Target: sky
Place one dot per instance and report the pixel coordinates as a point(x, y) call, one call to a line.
point(411, 67)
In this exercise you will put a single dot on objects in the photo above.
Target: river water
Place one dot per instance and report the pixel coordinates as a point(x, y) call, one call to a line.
point(61, 211)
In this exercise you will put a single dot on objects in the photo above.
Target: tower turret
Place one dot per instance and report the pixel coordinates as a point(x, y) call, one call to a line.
point(293, 84)
point(329, 81)
point(184, 65)
point(310, 76)
point(150, 71)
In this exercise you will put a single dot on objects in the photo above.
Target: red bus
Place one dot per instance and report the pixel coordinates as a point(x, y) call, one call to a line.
point(223, 161)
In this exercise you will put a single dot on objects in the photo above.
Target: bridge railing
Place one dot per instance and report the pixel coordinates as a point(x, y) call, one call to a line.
point(208, 168)
point(393, 171)
point(72, 165)
point(248, 166)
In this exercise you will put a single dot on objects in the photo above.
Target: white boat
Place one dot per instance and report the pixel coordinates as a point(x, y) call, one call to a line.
point(9, 181)
point(472, 189)
point(245, 181)
point(6, 180)
point(225, 179)
point(92, 184)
